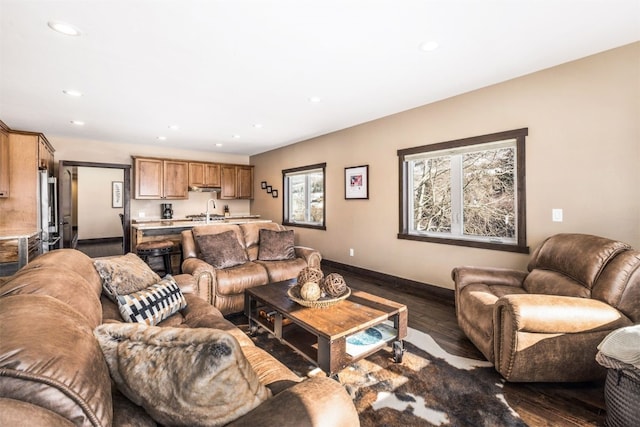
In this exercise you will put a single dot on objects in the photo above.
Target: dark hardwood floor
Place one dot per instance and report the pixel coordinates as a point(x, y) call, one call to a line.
point(100, 247)
point(538, 404)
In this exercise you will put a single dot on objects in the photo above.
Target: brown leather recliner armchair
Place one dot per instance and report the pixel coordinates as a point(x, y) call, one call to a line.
point(545, 324)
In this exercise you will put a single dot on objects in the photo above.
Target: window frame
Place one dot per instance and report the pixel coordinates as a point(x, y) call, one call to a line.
point(286, 196)
point(520, 245)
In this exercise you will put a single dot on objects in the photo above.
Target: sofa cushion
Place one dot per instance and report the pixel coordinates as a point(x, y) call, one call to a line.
point(60, 283)
point(50, 358)
point(153, 304)
point(205, 378)
point(125, 274)
point(69, 259)
point(251, 235)
point(221, 250)
point(283, 270)
point(276, 245)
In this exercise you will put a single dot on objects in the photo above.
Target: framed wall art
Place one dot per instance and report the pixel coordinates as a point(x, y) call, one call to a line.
point(116, 194)
point(356, 182)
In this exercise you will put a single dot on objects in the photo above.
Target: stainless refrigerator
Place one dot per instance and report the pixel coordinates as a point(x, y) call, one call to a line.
point(48, 215)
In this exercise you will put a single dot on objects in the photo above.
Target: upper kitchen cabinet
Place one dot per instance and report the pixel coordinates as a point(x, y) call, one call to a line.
point(204, 175)
point(236, 182)
point(160, 178)
point(45, 154)
point(23, 155)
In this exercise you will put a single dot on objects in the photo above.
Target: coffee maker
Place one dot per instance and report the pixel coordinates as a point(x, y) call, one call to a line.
point(166, 210)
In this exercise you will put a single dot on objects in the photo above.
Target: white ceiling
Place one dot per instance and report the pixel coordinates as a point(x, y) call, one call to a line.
point(216, 68)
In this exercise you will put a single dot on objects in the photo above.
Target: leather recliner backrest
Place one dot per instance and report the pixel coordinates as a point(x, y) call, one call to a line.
point(619, 284)
point(570, 264)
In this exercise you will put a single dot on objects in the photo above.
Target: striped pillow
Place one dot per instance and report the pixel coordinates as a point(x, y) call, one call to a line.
point(153, 304)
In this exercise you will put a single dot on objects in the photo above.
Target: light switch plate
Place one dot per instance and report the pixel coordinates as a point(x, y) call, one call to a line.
point(556, 215)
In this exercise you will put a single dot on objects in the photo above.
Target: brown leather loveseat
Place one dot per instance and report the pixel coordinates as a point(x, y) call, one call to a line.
point(226, 259)
point(545, 324)
point(53, 371)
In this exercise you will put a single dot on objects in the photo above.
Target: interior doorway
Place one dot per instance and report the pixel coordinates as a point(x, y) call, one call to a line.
point(68, 204)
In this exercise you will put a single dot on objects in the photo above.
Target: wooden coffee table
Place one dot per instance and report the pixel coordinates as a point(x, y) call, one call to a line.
point(320, 334)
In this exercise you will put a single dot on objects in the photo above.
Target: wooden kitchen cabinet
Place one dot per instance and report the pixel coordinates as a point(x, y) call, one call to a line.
point(204, 174)
point(45, 154)
point(236, 182)
point(244, 182)
point(27, 152)
point(160, 178)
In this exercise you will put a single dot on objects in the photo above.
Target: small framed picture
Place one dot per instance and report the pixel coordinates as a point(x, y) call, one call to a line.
point(274, 194)
point(269, 189)
point(116, 194)
point(263, 184)
point(356, 182)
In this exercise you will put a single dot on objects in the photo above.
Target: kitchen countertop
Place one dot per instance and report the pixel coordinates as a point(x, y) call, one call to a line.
point(176, 223)
point(182, 219)
point(18, 233)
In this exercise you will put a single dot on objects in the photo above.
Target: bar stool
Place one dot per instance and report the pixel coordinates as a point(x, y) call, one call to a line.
point(162, 248)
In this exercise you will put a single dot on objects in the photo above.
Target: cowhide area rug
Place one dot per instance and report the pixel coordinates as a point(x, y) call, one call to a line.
point(429, 388)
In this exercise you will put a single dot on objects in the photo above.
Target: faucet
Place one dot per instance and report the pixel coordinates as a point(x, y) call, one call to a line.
point(208, 204)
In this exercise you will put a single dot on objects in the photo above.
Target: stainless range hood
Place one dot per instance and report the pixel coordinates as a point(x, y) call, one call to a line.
point(198, 189)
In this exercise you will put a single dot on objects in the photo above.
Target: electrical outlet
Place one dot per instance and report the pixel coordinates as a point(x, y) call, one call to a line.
point(351, 252)
point(556, 215)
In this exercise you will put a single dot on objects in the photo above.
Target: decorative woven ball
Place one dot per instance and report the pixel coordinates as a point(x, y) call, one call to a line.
point(310, 291)
point(310, 274)
point(334, 285)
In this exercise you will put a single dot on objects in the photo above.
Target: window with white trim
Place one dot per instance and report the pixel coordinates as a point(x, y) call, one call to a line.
point(304, 195)
point(466, 192)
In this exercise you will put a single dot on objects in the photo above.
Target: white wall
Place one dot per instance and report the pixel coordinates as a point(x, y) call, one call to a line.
point(96, 218)
point(582, 155)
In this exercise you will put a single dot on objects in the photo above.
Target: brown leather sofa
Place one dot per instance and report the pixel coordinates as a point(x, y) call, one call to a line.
point(545, 324)
point(224, 287)
point(53, 373)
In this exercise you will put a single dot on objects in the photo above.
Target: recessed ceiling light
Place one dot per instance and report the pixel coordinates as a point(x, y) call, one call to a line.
point(235, 136)
point(429, 46)
point(72, 92)
point(77, 122)
point(63, 28)
point(162, 138)
point(257, 125)
point(174, 127)
point(314, 99)
point(218, 145)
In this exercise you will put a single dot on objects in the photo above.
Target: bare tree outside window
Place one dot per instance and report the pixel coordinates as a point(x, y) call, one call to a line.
point(304, 193)
point(466, 192)
point(489, 193)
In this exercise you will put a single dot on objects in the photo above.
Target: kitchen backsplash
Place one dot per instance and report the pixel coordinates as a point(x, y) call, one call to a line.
point(197, 203)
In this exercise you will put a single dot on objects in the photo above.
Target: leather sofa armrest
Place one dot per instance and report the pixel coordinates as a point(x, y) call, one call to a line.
point(187, 283)
point(311, 256)
point(554, 314)
point(463, 276)
point(317, 402)
point(205, 278)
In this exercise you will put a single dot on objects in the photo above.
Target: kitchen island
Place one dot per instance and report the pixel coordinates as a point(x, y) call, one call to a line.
point(171, 229)
point(17, 248)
